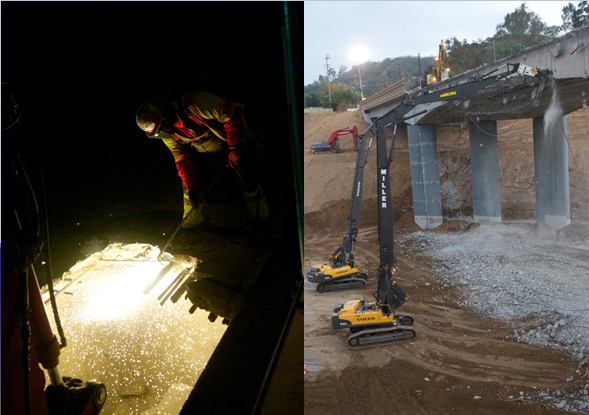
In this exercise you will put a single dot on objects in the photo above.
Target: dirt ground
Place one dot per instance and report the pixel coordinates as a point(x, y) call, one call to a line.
point(459, 353)
point(464, 360)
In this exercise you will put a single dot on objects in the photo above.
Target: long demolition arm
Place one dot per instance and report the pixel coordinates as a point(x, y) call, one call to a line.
point(390, 295)
point(399, 114)
point(343, 255)
point(378, 323)
point(385, 218)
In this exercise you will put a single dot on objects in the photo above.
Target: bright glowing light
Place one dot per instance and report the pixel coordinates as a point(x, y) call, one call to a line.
point(121, 294)
point(359, 54)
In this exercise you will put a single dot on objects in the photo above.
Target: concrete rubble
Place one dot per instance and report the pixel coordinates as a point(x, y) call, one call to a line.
point(530, 276)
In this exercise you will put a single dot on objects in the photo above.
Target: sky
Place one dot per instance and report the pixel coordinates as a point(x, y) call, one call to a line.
point(401, 28)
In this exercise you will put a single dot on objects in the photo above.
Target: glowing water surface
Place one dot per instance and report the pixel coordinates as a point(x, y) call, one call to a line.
point(140, 350)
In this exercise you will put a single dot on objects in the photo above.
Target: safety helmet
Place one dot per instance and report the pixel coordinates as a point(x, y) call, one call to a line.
point(149, 118)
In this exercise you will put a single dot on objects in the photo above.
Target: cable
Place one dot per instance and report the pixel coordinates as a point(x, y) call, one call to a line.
point(15, 106)
point(28, 183)
point(494, 135)
point(26, 340)
point(38, 232)
point(50, 279)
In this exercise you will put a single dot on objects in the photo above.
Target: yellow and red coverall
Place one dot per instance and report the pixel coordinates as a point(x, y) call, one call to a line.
point(214, 119)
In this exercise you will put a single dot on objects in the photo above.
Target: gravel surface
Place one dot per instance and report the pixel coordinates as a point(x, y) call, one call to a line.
point(531, 276)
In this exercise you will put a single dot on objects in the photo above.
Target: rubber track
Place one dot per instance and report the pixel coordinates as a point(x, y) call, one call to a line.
point(347, 284)
point(406, 329)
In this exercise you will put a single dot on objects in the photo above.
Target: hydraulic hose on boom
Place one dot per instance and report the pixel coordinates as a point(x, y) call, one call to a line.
point(341, 273)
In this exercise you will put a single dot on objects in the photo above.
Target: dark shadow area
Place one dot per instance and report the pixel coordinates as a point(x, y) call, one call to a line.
point(83, 69)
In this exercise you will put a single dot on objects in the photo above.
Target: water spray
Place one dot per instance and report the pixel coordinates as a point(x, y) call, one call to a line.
point(554, 111)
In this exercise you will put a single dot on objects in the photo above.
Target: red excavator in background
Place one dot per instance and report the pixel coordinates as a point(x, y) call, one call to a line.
point(332, 145)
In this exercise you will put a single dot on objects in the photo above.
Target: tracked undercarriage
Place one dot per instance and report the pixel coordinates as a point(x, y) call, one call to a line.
point(365, 337)
point(344, 283)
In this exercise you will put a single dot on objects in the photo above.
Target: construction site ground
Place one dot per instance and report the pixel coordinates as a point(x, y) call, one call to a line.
point(501, 311)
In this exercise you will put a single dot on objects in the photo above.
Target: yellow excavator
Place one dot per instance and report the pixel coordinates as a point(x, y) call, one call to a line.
point(373, 324)
point(441, 70)
point(378, 323)
point(341, 273)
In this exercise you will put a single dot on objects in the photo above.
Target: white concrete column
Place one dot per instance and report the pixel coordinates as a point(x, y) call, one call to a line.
point(484, 167)
point(425, 176)
point(551, 168)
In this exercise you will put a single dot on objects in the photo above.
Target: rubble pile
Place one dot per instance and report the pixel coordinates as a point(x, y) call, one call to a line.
point(530, 276)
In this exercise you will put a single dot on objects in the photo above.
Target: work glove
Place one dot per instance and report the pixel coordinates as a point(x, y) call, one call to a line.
point(234, 157)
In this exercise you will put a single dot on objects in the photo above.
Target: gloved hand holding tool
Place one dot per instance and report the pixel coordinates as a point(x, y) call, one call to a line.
point(234, 156)
point(195, 200)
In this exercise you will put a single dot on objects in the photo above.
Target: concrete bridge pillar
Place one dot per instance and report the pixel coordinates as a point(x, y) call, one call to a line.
point(484, 167)
point(551, 167)
point(425, 176)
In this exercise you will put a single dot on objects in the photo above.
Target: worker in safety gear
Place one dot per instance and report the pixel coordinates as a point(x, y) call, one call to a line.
point(200, 129)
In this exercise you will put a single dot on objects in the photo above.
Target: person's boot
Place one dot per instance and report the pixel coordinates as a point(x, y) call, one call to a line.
point(196, 217)
point(257, 206)
point(261, 226)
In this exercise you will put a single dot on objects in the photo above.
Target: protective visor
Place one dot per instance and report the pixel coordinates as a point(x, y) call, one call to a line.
point(152, 130)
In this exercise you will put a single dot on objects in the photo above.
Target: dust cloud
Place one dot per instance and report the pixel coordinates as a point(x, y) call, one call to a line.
point(554, 111)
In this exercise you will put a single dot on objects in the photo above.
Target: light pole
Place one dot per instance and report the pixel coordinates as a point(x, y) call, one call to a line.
point(359, 53)
point(360, 74)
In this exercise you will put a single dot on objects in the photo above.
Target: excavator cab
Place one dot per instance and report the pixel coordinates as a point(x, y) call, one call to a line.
point(336, 259)
point(332, 145)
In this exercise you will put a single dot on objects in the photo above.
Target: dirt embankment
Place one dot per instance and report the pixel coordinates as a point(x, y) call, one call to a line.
point(328, 176)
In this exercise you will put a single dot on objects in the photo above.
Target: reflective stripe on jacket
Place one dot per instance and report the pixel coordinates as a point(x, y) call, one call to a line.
point(209, 113)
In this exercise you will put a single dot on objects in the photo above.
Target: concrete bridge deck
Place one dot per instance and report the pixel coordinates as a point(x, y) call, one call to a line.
point(566, 58)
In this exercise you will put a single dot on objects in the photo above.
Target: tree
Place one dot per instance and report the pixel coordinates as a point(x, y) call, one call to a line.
point(552, 31)
point(520, 29)
point(581, 15)
point(575, 18)
point(389, 74)
point(314, 87)
point(567, 17)
point(342, 71)
point(340, 94)
point(312, 100)
point(462, 56)
point(332, 74)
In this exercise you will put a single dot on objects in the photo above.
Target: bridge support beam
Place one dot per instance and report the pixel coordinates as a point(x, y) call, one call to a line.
point(425, 176)
point(484, 167)
point(551, 167)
